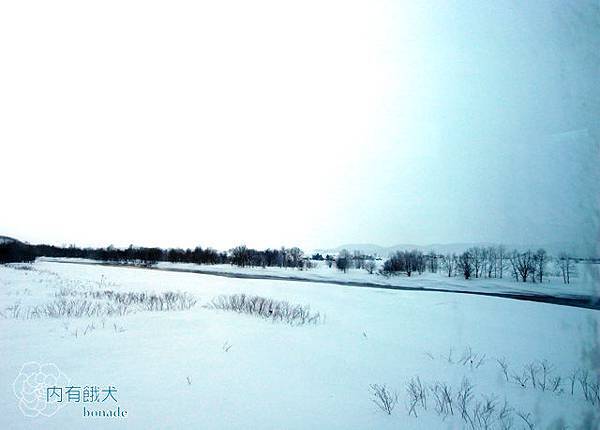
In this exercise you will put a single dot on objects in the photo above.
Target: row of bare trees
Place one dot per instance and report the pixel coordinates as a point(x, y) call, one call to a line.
point(243, 256)
point(406, 262)
point(494, 262)
point(475, 262)
point(346, 260)
point(483, 262)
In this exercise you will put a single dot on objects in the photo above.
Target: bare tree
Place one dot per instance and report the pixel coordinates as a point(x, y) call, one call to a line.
point(476, 259)
point(370, 266)
point(484, 262)
point(240, 256)
point(432, 261)
point(566, 264)
point(449, 263)
point(359, 259)
point(465, 264)
point(540, 260)
point(419, 261)
point(522, 264)
point(329, 260)
point(296, 256)
point(344, 260)
point(405, 261)
point(490, 257)
point(573, 377)
point(500, 259)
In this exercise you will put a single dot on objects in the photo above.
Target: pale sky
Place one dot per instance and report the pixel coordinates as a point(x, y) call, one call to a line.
point(308, 123)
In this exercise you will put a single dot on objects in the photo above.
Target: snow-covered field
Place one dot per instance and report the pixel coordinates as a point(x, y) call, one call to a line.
point(212, 369)
point(585, 284)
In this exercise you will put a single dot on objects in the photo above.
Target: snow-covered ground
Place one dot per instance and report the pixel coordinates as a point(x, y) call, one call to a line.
point(584, 284)
point(210, 369)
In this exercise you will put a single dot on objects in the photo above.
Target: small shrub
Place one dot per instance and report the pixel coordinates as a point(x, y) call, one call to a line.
point(266, 308)
point(526, 417)
point(472, 359)
point(442, 395)
point(76, 304)
point(417, 396)
point(464, 398)
point(504, 366)
point(383, 398)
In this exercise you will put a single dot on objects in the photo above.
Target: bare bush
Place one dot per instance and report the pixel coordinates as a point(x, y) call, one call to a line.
point(556, 385)
point(546, 372)
point(449, 358)
point(594, 393)
point(504, 366)
point(22, 266)
point(472, 359)
point(483, 413)
point(464, 398)
point(76, 304)
point(442, 396)
point(267, 308)
point(521, 379)
point(540, 375)
point(167, 301)
point(533, 370)
point(384, 398)
point(417, 396)
point(573, 379)
point(505, 418)
point(583, 379)
point(74, 308)
point(526, 417)
point(118, 328)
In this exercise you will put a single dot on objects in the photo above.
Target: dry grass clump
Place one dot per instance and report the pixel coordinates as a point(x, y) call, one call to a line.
point(267, 308)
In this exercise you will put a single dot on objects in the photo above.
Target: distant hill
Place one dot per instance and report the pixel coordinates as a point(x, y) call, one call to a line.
point(6, 239)
point(382, 251)
point(13, 250)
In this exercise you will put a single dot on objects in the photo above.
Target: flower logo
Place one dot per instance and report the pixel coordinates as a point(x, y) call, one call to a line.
point(32, 385)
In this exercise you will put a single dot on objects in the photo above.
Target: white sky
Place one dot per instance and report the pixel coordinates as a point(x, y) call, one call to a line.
point(310, 123)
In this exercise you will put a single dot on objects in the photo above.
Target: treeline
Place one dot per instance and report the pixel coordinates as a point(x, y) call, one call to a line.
point(475, 262)
point(496, 262)
point(15, 251)
point(483, 262)
point(243, 256)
